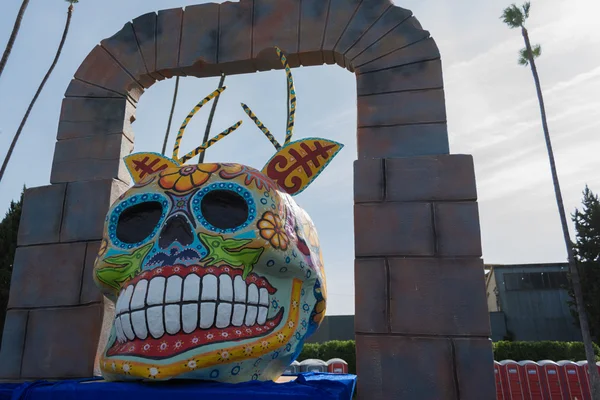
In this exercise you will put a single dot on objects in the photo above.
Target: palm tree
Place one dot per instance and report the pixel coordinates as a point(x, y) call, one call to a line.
point(515, 17)
point(40, 88)
point(13, 35)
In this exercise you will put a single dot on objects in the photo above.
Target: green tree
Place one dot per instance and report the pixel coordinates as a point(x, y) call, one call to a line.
point(9, 227)
point(13, 35)
point(516, 17)
point(40, 88)
point(587, 254)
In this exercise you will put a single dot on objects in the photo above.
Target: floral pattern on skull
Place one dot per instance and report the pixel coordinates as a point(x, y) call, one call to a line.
point(211, 273)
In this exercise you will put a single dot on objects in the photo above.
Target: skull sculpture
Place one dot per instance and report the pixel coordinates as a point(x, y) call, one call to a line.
point(216, 273)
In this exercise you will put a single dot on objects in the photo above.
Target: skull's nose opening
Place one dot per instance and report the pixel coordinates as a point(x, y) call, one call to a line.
point(177, 229)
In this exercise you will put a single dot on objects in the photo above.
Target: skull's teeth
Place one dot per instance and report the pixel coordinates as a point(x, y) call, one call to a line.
point(160, 305)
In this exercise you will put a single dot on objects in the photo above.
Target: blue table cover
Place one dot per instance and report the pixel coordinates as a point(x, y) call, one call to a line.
point(314, 386)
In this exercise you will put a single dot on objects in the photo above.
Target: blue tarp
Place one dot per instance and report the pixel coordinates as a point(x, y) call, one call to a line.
point(314, 386)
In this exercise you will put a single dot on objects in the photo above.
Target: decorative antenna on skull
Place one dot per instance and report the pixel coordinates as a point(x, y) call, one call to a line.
point(145, 164)
point(296, 164)
point(208, 143)
point(291, 106)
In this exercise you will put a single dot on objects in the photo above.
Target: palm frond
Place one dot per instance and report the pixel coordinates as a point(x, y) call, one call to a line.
point(526, 8)
point(523, 60)
point(536, 51)
point(512, 16)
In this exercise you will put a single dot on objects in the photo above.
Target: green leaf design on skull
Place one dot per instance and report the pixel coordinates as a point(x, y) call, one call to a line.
point(126, 267)
point(231, 251)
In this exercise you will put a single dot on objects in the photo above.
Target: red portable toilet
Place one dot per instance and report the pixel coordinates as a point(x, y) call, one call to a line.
point(532, 380)
point(337, 366)
point(551, 380)
point(499, 383)
point(584, 373)
point(569, 372)
point(513, 384)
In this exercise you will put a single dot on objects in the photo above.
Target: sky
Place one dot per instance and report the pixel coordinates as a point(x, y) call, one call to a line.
point(492, 110)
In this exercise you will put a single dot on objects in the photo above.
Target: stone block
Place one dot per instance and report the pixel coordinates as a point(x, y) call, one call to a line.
point(83, 170)
point(371, 295)
point(123, 46)
point(430, 178)
point(100, 69)
point(47, 276)
point(41, 215)
point(144, 27)
point(276, 23)
point(388, 229)
point(86, 206)
point(81, 117)
point(404, 368)
point(474, 363)
point(13, 342)
point(418, 76)
point(200, 40)
point(457, 229)
point(168, 36)
point(79, 88)
point(235, 37)
point(433, 296)
point(61, 343)
point(423, 50)
point(313, 18)
point(90, 158)
point(369, 182)
point(367, 14)
point(403, 108)
point(339, 16)
point(405, 34)
point(392, 17)
point(402, 141)
point(89, 291)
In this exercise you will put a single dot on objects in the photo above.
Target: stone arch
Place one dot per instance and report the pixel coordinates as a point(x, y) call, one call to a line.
point(420, 300)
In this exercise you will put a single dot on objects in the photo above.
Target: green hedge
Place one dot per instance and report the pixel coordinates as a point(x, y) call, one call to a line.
point(335, 349)
point(518, 351)
point(537, 351)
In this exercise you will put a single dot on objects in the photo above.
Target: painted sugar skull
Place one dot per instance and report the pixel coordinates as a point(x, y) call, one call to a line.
point(216, 273)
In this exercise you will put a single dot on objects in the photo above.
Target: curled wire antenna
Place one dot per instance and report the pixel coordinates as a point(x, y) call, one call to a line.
point(291, 107)
point(206, 144)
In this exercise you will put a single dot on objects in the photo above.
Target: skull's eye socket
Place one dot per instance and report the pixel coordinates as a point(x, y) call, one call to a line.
point(224, 209)
point(137, 222)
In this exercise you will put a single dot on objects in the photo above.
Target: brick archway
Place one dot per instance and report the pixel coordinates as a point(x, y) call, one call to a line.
point(421, 316)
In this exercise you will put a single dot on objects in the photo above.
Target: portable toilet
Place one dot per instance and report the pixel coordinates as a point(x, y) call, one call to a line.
point(532, 380)
point(584, 373)
point(293, 369)
point(499, 383)
point(551, 378)
point(337, 366)
point(313, 365)
point(512, 378)
point(572, 379)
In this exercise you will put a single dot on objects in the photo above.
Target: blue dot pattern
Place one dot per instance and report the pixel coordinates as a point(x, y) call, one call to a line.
point(197, 210)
